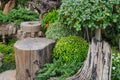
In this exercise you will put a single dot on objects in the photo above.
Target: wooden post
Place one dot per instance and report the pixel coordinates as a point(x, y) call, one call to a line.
point(30, 55)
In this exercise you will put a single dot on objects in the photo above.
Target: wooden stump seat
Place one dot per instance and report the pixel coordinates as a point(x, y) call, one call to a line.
point(30, 55)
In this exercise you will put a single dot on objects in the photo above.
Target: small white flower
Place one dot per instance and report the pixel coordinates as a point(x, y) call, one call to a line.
point(113, 68)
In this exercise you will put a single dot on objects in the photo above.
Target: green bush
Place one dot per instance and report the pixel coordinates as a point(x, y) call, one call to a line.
point(71, 48)
point(3, 17)
point(68, 56)
point(89, 13)
point(8, 52)
point(115, 65)
point(56, 30)
point(19, 15)
point(22, 3)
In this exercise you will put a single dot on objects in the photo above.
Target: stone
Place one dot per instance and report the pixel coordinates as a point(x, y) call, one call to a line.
point(8, 75)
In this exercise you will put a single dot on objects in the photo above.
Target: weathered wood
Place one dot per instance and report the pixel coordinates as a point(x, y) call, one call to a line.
point(43, 6)
point(98, 34)
point(8, 6)
point(97, 65)
point(30, 55)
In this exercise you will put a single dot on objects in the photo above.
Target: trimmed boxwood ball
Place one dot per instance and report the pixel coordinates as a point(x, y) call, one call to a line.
point(71, 48)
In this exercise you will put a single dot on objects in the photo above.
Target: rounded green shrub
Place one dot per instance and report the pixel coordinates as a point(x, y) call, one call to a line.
point(70, 48)
point(56, 30)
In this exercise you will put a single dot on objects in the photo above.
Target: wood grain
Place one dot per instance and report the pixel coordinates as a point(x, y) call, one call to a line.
point(30, 55)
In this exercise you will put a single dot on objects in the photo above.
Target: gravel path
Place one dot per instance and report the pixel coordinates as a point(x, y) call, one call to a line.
point(8, 75)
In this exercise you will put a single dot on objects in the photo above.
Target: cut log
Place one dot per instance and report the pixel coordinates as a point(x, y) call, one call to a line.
point(97, 65)
point(30, 55)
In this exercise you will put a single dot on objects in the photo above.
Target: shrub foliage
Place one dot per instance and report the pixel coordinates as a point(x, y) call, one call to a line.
point(56, 30)
point(70, 48)
point(90, 13)
point(50, 17)
point(8, 52)
point(18, 15)
point(115, 65)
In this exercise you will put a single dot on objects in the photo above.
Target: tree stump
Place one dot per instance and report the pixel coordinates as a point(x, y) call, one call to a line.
point(30, 55)
point(97, 65)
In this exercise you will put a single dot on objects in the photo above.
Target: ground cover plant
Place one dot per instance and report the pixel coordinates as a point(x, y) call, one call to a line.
point(115, 65)
point(8, 55)
point(19, 15)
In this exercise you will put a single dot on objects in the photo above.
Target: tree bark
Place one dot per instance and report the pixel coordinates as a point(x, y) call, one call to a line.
point(45, 5)
point(97, 66)
point(2, 4)
point(98, 34)
point(30, 55)
point(8, 6)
